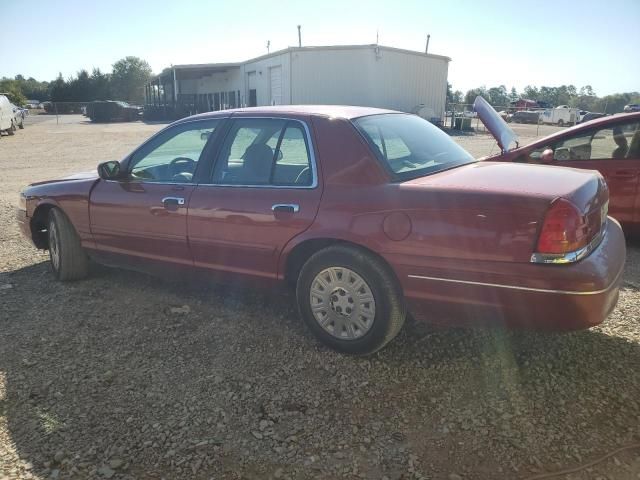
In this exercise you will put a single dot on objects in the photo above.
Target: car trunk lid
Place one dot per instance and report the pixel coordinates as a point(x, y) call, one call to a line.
point(506, 138)
point(502, 185)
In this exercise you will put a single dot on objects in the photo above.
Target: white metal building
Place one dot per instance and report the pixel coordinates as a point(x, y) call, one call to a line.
point(365, 75)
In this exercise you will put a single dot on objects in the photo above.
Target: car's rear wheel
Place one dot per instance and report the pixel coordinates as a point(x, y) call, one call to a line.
point(12, 129)
point(21, 126)
point(350, 300)
point(69, 261)
point(560, 123)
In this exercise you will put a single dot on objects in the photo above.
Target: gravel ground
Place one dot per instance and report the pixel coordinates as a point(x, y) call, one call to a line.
point(129, 376)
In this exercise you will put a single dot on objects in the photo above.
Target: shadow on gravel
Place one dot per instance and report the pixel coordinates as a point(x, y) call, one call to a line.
point(126, 375)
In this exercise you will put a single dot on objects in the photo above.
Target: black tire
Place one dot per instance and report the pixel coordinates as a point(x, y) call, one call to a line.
point(72, 262)
point(21, 126)
point(560, 123)
point(390, 310)
point(12, 129)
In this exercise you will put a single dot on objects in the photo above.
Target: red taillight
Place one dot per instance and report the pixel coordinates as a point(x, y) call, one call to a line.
point(564, 230)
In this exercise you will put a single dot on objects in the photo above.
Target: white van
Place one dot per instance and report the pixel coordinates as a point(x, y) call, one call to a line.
point(7, 117)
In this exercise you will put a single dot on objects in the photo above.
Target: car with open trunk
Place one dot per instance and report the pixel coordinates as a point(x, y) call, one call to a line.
point(610, 145)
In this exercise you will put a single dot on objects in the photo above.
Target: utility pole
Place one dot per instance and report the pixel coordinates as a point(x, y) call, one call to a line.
point(426, 49)
point(268, 45)
point(299, 37)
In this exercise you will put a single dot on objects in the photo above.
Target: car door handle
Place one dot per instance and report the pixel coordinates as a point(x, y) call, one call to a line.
point(173, 201)
point(285, 207)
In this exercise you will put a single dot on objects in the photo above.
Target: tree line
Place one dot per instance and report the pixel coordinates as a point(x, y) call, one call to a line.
point(125, 82)
point(584, 98)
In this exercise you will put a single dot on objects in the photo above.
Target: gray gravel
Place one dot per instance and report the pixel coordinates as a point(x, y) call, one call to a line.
point(129, 376)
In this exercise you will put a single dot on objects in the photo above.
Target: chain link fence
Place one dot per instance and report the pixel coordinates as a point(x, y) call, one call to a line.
point(460, 116)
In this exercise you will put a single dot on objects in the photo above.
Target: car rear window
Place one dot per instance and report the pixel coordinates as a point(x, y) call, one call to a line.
point(409, 146)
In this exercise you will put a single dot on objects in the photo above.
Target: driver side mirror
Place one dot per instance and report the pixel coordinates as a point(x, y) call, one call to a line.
point(547, 156)
point(109, 170)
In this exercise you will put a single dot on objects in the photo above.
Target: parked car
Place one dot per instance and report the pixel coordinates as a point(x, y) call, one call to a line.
point(112, 111)
point(32, 104)
point(366, 213)
point(632, 107)
point(610, 145)
point(525, 116)
point(591, 116)
point(18, 115)
point(7, 116)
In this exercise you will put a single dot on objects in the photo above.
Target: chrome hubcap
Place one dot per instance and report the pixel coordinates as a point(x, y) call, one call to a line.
point(342, 303)
point(54, 248)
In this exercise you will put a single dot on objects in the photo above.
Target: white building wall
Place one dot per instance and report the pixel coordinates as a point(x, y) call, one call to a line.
point(367, 76)
point(381, 77)
point(263, 88)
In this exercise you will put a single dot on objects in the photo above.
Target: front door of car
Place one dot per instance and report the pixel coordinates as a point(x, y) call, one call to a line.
point(264, 190)
point(614, 151)
point(144, 214)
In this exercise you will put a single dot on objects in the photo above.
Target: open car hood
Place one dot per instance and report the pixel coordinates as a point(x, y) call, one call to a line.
point(506, 138)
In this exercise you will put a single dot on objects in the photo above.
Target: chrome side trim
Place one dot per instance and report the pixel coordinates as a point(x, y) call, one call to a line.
point(516, 287)
point(570, 257)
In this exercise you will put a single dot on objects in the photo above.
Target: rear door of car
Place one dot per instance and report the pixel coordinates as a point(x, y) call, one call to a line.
point(263, 190)
point(613, 150)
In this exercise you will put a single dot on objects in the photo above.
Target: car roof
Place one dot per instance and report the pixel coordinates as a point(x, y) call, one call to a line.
point(335, 111)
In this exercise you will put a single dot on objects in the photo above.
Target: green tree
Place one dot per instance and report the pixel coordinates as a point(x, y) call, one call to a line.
point(13, 91)
point(59, 90)
point(513, 95)
point(498, 96)
point(128, 79)
point(530, 93)
point(471, 95)
point(453, 97)
point(100, 85)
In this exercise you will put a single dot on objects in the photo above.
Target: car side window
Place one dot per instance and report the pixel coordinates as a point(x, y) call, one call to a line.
point(264, 152)
point(173, 156)
point(614, 142)
point(293, 165)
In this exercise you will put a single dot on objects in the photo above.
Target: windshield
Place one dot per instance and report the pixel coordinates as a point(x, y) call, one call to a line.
point(409, 146)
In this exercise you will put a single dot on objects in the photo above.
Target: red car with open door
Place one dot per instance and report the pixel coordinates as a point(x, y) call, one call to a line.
point(610, 145)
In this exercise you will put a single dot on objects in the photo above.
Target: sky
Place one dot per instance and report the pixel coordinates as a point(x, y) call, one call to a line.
point(490, 42)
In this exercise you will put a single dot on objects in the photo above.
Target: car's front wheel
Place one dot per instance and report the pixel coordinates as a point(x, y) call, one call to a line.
point(68, 259)
point(12, 129)
point(350, 300)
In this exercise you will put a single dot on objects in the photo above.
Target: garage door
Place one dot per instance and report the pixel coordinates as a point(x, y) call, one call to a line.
point(275, 80)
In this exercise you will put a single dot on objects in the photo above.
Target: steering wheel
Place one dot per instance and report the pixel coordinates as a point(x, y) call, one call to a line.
point(181, 165)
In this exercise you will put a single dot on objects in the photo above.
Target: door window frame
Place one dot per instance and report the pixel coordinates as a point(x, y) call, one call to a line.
point(159, 138)
point(208, 181)
point(591, 131)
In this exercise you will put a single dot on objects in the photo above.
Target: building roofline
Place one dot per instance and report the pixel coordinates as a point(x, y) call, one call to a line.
point(230, 65)
point(347, 47)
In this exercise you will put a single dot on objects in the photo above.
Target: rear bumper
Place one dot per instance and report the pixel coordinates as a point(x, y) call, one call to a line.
point(532, 296)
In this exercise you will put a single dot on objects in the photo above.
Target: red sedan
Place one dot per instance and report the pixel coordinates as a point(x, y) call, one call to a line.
point(367, 213)
point(610, 145)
